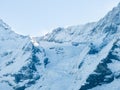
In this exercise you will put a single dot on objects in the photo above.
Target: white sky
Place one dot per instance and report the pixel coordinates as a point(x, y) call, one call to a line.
point(37, 17)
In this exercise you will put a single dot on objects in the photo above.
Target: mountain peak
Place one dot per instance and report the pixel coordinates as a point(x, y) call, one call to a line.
point(113, 16)
point(4, 25)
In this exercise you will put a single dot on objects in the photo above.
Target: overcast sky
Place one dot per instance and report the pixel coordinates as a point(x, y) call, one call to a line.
point(37, 17)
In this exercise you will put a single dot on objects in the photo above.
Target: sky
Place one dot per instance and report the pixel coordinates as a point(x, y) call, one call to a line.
point(38, 17)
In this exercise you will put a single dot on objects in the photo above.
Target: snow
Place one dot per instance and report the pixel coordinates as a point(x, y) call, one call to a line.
point(69, 65)
point(115, 85)
point(33, 40)
point(74, 33)
point(4, 86)
point(114, 66)
point(62, 71)
point(90, 63)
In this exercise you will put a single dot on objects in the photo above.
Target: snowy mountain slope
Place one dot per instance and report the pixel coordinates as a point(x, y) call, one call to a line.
point(84, 57)
point(107, 72)
point(19, 59)
point(72, 33)
point(97, 42)
point(68, 72)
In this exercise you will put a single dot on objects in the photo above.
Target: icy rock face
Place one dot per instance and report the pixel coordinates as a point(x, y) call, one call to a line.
point(83, 57)
point(106, 72)
point(103, 73)
point(19, 59)
point(29, 73)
